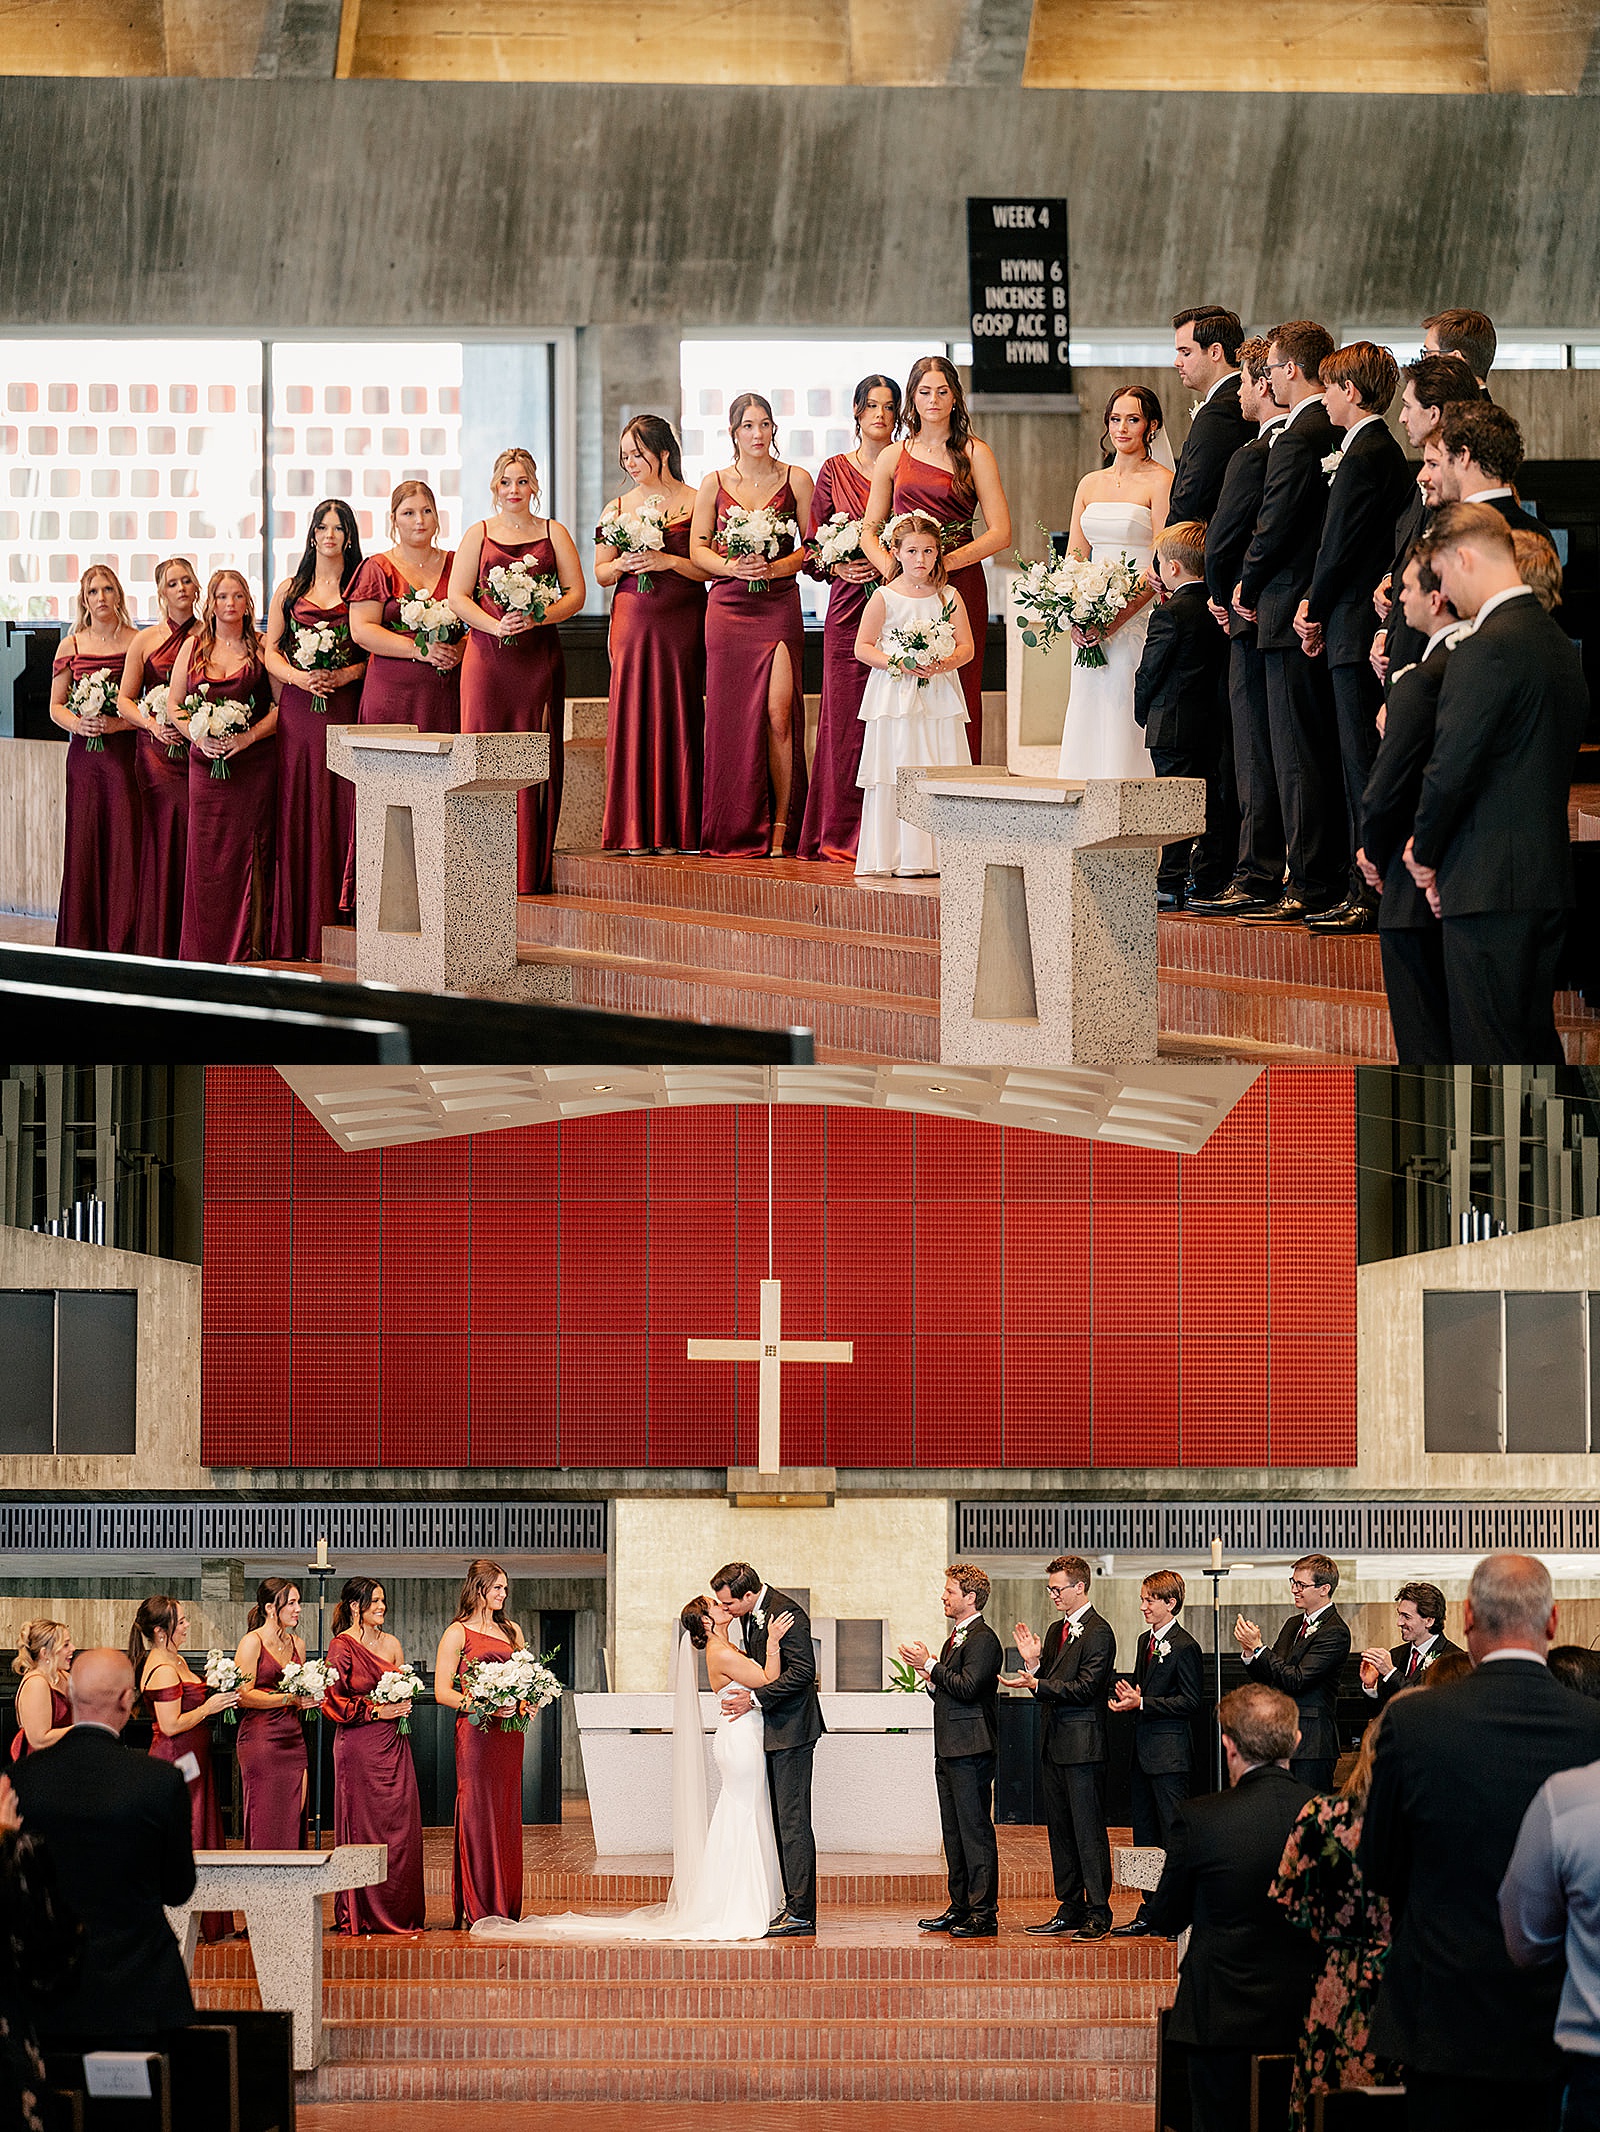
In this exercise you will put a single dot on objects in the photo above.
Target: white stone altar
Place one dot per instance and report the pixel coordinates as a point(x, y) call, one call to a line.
point(1047, 910)
point(436, 857)
point(872, 1790)
point(280, 1893)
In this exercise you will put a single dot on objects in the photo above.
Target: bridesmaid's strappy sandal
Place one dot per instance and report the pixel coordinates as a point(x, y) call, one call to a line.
point(780, 830)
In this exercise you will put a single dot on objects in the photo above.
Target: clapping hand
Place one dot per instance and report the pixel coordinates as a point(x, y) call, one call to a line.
point(1375, 1666)
point(915, 1656)
point(1028, 1645)
point(1247, 1636)
point(1125, 1696)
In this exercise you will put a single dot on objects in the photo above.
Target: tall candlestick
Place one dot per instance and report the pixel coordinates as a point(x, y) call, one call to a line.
point(322, 1552)
point(1216, 1554)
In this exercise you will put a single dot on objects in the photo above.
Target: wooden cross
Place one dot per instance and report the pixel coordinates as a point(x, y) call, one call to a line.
point(770, 1351)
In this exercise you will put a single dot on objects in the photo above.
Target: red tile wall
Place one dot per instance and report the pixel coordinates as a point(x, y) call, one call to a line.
point(522, 1298)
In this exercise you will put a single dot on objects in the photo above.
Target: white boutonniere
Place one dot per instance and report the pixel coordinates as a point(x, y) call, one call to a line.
point(960, 1636)
point(1194, 408)
point(1075, 1632)
point(1158, 1653)
point(1332, 464)
point(1426, 1661)
point(759, 1617)
point(1399, 670)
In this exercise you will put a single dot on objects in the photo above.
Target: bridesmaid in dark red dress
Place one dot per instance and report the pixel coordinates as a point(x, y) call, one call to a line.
point(227, 886)
point(486, 1879)
point(44, 1657)
point(272, 1740)
point(832, 822)
point(315, 872)
point(755, 644)
point(183, 1707)
point(514, 678)
point(406, 685)
point(375, 1779)
point(655, 727)
point(99, 906)
point(161, 760)
point(941, 468)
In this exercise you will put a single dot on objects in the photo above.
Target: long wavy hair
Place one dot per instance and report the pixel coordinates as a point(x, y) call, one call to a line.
point(960, 437)
point(100, 570)
point(481, 1574)
point(305, 571)
point(205, 635)
point(1149, 407)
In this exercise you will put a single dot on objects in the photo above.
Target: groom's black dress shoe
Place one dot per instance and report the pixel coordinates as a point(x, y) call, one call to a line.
point(782, 1917)
point(1054, 1926)
point(793, 1928)
point(976, 1928)
point(943, 1922)
point(1135, 1928)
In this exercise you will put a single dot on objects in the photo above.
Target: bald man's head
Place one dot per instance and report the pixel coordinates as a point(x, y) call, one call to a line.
point(100, 1688)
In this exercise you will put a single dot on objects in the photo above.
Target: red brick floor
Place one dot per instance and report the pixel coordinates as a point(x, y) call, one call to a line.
point(715, 2117)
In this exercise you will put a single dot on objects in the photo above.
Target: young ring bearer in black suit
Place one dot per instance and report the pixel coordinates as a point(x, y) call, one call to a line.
point(1166, 1690)
point(1180, 700)
point(1070, 1673)
point(1305, 1662)
point(964, 1683)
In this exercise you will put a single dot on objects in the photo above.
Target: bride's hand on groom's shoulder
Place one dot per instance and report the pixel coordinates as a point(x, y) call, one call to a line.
point(779, 1626)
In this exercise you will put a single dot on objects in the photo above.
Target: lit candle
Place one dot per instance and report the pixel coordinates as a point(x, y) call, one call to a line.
point(1216, 1554)
point(322, 1552)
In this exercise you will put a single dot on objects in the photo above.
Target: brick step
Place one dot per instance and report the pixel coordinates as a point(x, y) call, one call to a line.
point(602, 2080)
point(1316, 1022)
point(544, 1888)
point(424, 2005)
point(1285, 956)
point(713, 942)
point(784, 891)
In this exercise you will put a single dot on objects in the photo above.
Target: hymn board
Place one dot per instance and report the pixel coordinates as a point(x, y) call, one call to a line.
point(1019, 292)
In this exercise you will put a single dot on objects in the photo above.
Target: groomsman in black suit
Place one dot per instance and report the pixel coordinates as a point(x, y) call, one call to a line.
point(1428, 387)
point(1369, 484)
point(1475, 456)
point(1206, 342)
point(1490, 846)
point(1419, 1616)
point(1166, 1690)
point(964, 1682)
point(1305, 1662)
point(1070, 1673)
point(1410, 938)
point(1180, 703)
point(1467, 334)
point(1274, 577)
point(1257, 881)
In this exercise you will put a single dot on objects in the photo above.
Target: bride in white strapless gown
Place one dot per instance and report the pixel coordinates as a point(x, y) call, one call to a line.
point(1117, 511)
point(727, 1882)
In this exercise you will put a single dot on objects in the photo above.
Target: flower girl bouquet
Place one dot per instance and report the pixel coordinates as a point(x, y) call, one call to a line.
point(223, 1675)
point(761, 532)
point(505, 1691)
point(156, 703)
point(838, 541)
point(915, 646)
point(399, 1686)
point(214, 721)
point(520, 592)
point(639, 532)
point(95, 696)
point(1064, 593)
point(322, 647)
point(429, 621)
point(311, 1677)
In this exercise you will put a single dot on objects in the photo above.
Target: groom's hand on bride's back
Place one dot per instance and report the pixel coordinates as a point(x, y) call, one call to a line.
point(736, 1701)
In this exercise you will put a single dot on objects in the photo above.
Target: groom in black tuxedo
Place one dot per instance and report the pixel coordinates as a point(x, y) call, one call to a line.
point(792, 1712)
point(964, 1682)
point(1206, 342)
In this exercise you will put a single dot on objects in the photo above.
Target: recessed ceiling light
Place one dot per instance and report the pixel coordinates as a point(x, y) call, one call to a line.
point(603, 1088)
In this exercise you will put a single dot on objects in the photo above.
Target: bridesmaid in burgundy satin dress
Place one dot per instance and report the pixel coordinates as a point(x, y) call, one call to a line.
point(43, 1712)
point(227, 886)
point(272, 1740)
point(405, 685)
point(832, 822)
point(162, 761)
point(944, 470)
point(486, 1879)
point(755, 769)
point(99, 906)
point(316, 857)
point(655, 729)
point(514, 678)
point(375, 1779)
point(182, 1706)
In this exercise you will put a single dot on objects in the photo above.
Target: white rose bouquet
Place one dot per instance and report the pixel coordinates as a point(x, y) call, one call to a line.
point(838, 541)
point(914, 646)
point(399, 1686)
point(223, 1677)
point(639, 532)
point(214, 721)
point(760, 532)
point(311, 1677)
point(505, 1691)
point(321, 648)
point(95, 696)
point(520, 592)
point(1062, 594)
point(156, 703)
point(429, 621)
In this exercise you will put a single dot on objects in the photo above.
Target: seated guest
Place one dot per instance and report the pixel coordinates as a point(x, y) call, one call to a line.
point(1305, 1662)
point(1475, 456)
point(1550, 1914)
point(1490, 846)
point(1419, 1616)
point(1179, 699)
point(1165, 1692)
point(118, 1829)
point(23, 2079)
point(1410, 940)
point(1467, 334)
point(1454, 1773)
point(1246, 1977)
point(1447, 1669)
point(1369, 486)
point(1577, 1668)
point(1320, 1887)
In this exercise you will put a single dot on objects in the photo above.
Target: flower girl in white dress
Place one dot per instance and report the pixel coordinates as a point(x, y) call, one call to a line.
point(915, 636)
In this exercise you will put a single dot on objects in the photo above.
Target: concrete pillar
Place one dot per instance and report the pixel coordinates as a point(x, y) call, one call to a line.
point(622, 371)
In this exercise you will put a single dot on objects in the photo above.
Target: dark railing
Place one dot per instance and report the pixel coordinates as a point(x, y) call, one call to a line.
point(293, 1529)
point(1276, 1528)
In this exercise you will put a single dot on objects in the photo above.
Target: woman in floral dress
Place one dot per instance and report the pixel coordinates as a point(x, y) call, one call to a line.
point(1319, 1884)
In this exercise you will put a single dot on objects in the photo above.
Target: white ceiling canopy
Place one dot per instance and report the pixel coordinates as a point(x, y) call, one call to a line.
point(1172, 1107)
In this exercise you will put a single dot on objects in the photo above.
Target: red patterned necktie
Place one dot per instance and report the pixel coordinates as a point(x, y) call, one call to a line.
point(1412, 1662)
point(1150, 1661)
